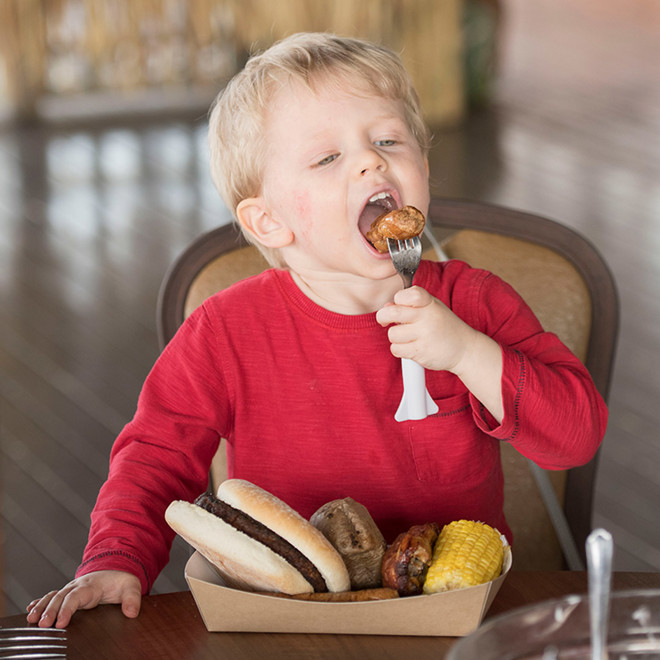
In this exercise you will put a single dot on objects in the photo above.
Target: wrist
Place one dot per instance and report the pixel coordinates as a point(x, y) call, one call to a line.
point(478, 349)
point(480, 370)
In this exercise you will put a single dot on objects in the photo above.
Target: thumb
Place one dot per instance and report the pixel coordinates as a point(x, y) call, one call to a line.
point(130, 602)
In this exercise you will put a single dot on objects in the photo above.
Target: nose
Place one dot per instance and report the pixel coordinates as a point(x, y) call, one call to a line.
point(371, 161)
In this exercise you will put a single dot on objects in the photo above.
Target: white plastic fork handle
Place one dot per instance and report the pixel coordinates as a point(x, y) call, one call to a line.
point(416, 402)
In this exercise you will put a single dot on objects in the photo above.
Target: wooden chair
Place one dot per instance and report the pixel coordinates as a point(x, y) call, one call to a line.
point(560, 275)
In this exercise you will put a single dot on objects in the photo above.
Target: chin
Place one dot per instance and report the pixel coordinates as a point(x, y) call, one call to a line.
point(384, 272)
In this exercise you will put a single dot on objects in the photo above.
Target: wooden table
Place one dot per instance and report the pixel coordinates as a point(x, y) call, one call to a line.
point(169, 626)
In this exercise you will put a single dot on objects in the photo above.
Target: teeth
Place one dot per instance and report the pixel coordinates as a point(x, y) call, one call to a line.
point(377, 196)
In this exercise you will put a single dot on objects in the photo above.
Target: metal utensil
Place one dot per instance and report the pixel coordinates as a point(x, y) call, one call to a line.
point(416, 403)
point(32, 642)
point(599, 548)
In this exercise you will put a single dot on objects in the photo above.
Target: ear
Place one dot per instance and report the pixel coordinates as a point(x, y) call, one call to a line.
point(255, 218)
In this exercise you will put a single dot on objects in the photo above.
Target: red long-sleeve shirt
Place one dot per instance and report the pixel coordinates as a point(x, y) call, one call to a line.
point(306, 399)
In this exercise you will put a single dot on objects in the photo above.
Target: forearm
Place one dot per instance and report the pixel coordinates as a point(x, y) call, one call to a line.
point(531, 392)
point(128, 530)
point(553, 414)
point(163, 454)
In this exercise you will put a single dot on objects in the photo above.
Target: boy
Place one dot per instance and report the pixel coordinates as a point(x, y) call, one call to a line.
point(298, 367)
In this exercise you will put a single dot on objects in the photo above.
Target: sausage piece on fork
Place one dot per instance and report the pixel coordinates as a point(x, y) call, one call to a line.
point(399, 224)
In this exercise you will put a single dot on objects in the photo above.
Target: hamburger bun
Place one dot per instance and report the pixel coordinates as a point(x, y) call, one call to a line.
point(248, 544)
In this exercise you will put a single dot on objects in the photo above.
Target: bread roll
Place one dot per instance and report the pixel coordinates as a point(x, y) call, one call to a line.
point(256, 541)
point(241, 561)
point(290, 525)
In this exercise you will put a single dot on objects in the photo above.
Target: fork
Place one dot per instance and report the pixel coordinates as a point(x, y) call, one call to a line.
point(32, 642)
point(416, 403)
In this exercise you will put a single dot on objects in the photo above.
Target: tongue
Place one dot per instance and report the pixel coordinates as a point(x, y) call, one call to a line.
point(370, 213)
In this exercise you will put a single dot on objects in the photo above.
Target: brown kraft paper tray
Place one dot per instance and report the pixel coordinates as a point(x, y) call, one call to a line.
point(451, 613)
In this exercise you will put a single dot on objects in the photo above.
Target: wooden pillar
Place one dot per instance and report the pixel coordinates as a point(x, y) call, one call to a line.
point(23, 49)
point(427, 34)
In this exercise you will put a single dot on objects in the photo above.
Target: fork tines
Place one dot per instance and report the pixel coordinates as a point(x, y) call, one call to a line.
point(32, 642)
point(406, 255)
point(405, 244)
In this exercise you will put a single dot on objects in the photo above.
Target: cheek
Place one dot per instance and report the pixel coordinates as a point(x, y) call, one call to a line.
point(302, 204)
point(422, 187)
point(302, 207)
point(292, 206)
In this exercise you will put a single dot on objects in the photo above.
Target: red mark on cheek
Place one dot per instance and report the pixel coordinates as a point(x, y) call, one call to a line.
point(302, 208)
point(302, 204)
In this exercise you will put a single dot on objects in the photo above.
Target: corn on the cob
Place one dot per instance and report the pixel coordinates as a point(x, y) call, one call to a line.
point(466, 553)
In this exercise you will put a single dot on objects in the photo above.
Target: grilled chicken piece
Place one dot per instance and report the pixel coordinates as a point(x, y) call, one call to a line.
point(408, 559)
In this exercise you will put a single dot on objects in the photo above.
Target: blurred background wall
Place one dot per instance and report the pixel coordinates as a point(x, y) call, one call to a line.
point(81, 56)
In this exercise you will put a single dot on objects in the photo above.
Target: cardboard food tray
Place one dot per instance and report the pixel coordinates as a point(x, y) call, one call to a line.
point(451, 614)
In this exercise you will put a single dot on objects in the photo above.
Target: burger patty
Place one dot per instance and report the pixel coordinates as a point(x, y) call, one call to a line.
point(258, 531)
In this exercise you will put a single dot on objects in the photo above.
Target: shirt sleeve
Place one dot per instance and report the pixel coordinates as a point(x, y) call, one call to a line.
point(553, 413)
point(163, 454)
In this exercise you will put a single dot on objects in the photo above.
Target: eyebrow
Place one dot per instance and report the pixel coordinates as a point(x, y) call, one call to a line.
point(380, 118)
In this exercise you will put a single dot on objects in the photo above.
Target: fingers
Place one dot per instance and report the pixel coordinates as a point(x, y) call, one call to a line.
point(36, 607)
point(403, 325)
point(57, 607)
point(392, 314)
point(401, 334)
point(396, 314)
point(405, 308)
point(422, 328)
point(413, 297)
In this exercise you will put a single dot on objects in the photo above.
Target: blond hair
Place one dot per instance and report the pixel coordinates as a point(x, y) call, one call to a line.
point(236, 123)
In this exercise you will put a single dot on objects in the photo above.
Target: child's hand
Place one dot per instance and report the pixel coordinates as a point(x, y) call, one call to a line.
point(425, 330)
point(102, 587)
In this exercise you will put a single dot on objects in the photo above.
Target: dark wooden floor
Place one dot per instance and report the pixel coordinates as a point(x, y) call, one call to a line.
point(90, 218)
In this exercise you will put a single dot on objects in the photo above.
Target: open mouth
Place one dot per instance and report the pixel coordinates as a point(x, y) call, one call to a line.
point(376, 205)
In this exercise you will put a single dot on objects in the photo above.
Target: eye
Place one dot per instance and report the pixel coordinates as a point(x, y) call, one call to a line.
point(327, 160)
point(388, 142)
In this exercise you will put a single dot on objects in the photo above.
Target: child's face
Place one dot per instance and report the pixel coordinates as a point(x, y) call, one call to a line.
point(329, 151)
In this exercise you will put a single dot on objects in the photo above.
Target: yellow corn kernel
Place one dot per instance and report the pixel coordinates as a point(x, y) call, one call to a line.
point(466, 553)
